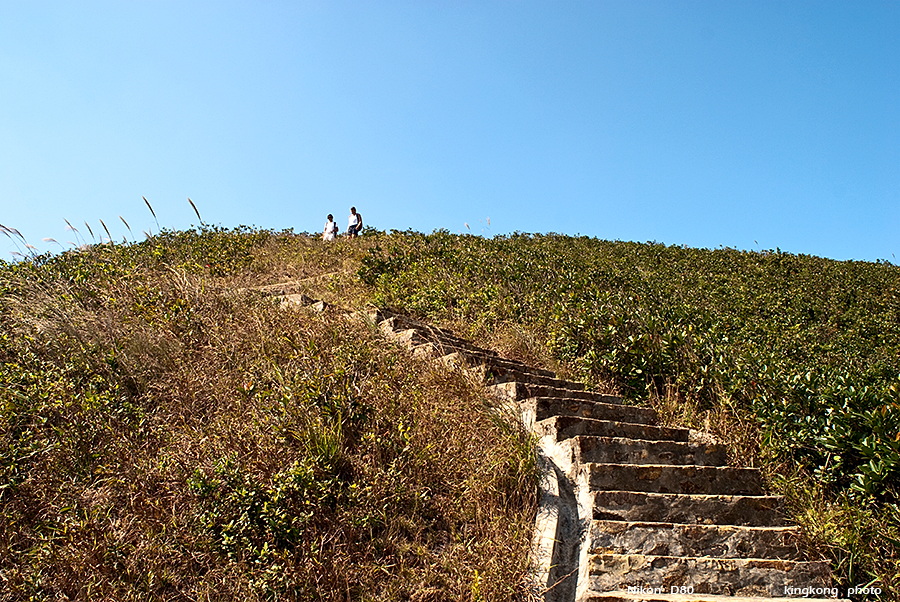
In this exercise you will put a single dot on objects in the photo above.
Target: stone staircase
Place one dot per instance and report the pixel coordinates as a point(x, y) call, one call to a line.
point(630, 511)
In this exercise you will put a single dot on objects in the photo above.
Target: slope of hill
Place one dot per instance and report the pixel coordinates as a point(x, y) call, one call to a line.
point(168, 433)
point(794, 361)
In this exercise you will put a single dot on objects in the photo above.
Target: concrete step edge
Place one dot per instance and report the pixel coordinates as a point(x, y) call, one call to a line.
point(465, 359)
point(733, 576)
point(566, 427)
point(431, 333)
point(503, 376)
point(716, 560)
point(666, 478)
point(650, 523)
point(695, 509)
point(607, 400)
point(517, 391)
point(651, 596)
point(682, 453)
point(692, 540)
point(536, 409)
point(630, 441)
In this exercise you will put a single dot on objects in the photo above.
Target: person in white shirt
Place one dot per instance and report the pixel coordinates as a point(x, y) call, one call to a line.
point(331, 229)
point(354, 224)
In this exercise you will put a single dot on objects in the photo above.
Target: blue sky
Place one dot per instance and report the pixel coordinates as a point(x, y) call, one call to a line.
point(753, 125)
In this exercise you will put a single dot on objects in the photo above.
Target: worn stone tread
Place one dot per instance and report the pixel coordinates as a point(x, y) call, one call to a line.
point(467, 359)
point(453, 345)
point(642, 506)
point(650, 596)
point(621, 450)
point(673, 539)
point(723, 576)
point(660, 478)
point(517, 391)
point(535, 409)
point(409, 337)
point(438, 350)
point(300, 299)
point(565, 427)
point(431, 333)
point(498, 375)
point(282, 289)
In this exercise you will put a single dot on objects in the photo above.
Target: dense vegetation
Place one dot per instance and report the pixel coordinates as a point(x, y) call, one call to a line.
point(794, 360)
point(166, 434)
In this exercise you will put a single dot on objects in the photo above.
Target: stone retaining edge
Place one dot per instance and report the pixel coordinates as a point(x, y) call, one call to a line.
point(546, 523)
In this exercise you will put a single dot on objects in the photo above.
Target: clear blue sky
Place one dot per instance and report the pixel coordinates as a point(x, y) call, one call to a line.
point(707, 123)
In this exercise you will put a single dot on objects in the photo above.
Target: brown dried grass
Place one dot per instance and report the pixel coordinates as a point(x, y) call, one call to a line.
point(145, 412)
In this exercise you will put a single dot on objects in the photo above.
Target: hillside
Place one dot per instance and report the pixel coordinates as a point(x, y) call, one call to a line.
point(793, 361)
point(169, 433)
point(168, 430)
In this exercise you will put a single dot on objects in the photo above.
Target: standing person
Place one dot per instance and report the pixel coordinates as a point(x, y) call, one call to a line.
point(331, 229)
point(354, 224)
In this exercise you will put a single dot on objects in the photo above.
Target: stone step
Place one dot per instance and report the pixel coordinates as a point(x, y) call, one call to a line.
point(638, 506)
point(650, 594)
point(409, 337)
point(431, 333)
point(401, 322)
point(516, 391)
point(467, 359)
point(535, 409)
point(282, 289)
point(565, 427)
point(503, 362)
point(619, 450)
point(450, 345)
point(492, 375)
point(377, 315)
point(721, 576)
point(656, 478)
point(300, 299)
point(718, 541)
point(437, 349)
point(421, 343)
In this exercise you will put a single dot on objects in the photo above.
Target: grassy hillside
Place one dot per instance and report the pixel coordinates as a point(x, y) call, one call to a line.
point(167, 435)
point(792, 360)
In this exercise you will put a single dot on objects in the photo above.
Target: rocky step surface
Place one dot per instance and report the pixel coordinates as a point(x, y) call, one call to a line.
point(722, 576)
point(564, 427)
point(466, 359)
point(621, 450)
point(432, 334)
point(664, 478)
point(535, 409)
point(673, 539)
point(491, 375)
point(650, 594)
point(703, 509)
point(516, 391)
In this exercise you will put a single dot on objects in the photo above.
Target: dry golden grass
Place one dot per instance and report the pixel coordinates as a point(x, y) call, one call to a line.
point(165, 438)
